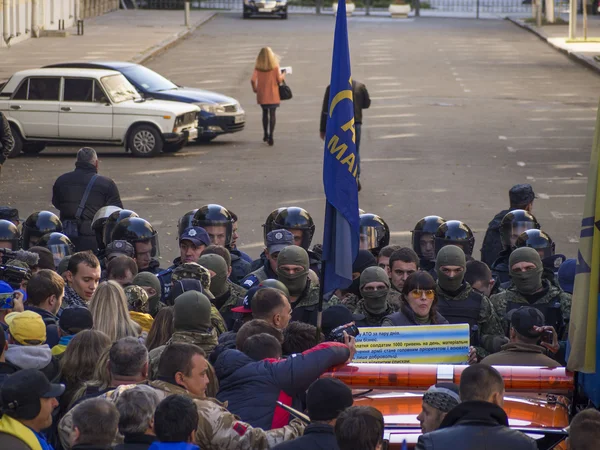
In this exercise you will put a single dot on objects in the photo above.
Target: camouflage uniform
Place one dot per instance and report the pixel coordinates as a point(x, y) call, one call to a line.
point(304, 309)
point(371, 320)
point(236, 296)
point(137, 299)
point(488, 322)
point(554, 298)
point(351, 301)
point(218, 429)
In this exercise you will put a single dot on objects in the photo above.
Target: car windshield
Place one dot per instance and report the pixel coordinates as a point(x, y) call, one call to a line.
point(148, 79)
point(119, 89)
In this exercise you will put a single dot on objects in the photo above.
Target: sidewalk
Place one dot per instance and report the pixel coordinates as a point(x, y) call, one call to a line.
point(124, 35)
point(557, 35)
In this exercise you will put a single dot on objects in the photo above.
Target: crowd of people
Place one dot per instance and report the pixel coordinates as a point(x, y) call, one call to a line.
point(103, 348)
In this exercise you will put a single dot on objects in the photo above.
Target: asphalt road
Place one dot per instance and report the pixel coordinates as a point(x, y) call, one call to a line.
point(462, 110)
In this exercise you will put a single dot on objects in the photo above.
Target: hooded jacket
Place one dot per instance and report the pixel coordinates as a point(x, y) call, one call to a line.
point(34, 357)
point(251, 388)
point(476, 425)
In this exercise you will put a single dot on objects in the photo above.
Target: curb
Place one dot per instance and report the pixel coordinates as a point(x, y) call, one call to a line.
point(166, 44)
point(577, 57)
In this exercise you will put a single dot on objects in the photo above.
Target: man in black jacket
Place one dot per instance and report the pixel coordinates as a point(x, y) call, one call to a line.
point(6, 139)
point(69, 190)
point(326, 398)
point(361, 101)
point(479, 420)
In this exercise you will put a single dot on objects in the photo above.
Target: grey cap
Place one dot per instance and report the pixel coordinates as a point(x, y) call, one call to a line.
point(277, 240)
point(9, 213)
point(121, 247)
point(521, 194)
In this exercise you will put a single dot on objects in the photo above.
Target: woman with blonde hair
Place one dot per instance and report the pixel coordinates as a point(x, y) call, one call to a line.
point(109, 311)
point(265, 83)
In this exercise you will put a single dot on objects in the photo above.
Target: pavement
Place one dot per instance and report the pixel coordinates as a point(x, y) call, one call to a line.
point(587, 53)
point(124, 35)
point(461, 111)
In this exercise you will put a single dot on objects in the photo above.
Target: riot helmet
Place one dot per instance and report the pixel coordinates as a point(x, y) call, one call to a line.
point(185, 222)
point(294, 218)
point(59, 244)
point(275, 284)
point(136, 230)
point(217, 222)
point(455, 232)
point(423, 237)
point(514, 224)
point(98, 222)
point(9, 233)
point(537, 239)
point(39, 224)
point(374, 233)
point(269, 224)
point(113, 219)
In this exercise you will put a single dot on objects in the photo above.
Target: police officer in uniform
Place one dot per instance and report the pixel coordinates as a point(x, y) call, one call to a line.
point(530, 288)
point(218, 223)
point(111, 222)
point(457, 233)
point(277, 240)
point(374, 233)
point(59, 244)
point(293, 272)
point(512, 225)
point(144, 239)
point(185, 221)
point(521, 196)
point(192, 241)
point(423, 241)
point(268, 226)
point(458, 302)
point(38, 224)
point(544, 245)
point(98, 223)
point(9, 235)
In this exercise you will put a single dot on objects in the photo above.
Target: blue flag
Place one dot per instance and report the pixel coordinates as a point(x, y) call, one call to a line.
point(340, 167)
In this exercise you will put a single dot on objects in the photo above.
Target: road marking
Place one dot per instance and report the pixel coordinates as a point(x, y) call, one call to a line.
point(394, 125)
point(300, 200)
point(390, 91)
point(158, 172)
point(504, 138)
point(570, 149)
point(390, 106)
point(386, 159)
point(559, 215)
point(398, 136)
point(381, 78)
point(392, 116)
point(567, 119)
point(134, 198)
point(521, 163)
point(389, 98)
point(557, 178)
point(390, 84)
point(549, 196)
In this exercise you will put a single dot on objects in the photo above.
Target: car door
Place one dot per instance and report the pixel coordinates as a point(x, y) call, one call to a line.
point(35, 106)
point(85, 112)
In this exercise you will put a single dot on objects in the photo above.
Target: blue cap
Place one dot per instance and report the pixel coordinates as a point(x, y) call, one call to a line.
point(246, 307)
point(277, 240)
point(566, 275)
point(6, 293)
point(197, 235)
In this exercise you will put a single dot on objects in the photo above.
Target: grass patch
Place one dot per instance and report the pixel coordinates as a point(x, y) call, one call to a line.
point(557, 21)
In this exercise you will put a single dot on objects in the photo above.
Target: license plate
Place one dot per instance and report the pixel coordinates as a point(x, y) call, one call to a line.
point(264, 10)
point(239, 119)
point(193, 134)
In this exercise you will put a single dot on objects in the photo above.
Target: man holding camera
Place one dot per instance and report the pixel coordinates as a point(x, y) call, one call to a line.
point(6, 139)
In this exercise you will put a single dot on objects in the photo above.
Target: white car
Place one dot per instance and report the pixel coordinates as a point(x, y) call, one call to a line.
point(92, 106)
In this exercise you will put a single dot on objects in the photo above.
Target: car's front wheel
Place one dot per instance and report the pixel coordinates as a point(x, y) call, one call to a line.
point(17, 146)
point(145, 141)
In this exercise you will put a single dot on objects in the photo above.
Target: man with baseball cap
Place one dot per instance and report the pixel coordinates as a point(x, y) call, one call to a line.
point(27, 348)
point(326, 398)
point(192, 243)
point(276, 241)
point(27, 400)
point(71, 322)
point(438, 400)
point(526, 330)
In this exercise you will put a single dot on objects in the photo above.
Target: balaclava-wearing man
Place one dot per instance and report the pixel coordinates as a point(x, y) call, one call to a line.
point(296, 281)
point(530, 281)
point(374, 290)
point(450, 256)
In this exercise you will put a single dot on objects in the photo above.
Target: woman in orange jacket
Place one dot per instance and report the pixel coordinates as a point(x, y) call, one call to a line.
point(265, 83)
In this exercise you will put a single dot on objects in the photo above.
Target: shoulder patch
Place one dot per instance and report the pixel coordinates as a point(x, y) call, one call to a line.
point(250, 282)
point(240, 428)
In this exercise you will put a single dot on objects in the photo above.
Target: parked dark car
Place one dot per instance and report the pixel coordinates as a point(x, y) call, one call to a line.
point(265, 7)
point(218, 115)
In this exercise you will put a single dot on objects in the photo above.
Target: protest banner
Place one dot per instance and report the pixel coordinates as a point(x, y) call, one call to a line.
point(424, 344)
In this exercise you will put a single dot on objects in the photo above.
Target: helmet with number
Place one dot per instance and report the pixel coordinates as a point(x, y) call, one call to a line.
point(537, 239)
point(9, 233)
point(111, 222)
point(134, 230)
point(59, 244)
point(215, 216)
point(294, 218)
point(427, 226)
point(269, 224)
point(39, 224)
point(455, 232)
point(185, 222)
point(514, 224)
point(374, 233)
point(98, 222)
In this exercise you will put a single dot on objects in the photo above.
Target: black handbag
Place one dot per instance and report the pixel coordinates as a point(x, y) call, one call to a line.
point(285, 92)
point(70, 226)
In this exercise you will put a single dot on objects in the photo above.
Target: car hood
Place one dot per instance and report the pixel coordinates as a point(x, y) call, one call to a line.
point(158, 106)
point(192, 95)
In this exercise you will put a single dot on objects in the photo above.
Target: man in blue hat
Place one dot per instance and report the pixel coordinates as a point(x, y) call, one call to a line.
point(521, 196)
point(192, 243)
point(277, 240)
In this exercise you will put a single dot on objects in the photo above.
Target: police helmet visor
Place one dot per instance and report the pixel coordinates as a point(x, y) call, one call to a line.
point(369, 238)
point(424, 245)
point(515, 229)
point(146, 247)
point(59, 251)
point(185, 222)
